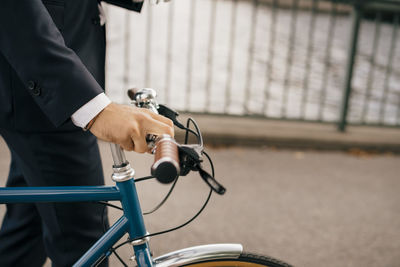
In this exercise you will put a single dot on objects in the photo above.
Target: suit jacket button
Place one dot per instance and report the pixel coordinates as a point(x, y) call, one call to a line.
point(36, 91)
point(31, 85)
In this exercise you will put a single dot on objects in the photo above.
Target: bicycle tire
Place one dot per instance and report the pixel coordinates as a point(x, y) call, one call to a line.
point(244, 260)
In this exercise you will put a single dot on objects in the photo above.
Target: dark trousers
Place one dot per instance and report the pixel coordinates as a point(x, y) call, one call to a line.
point(60, 231)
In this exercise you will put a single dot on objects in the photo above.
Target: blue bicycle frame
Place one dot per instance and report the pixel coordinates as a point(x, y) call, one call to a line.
point(131, 221)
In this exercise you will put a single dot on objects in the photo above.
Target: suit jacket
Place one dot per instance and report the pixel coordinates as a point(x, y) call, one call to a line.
point(52, 55)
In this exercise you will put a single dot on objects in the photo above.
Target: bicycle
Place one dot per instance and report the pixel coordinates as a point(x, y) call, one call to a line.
point(171, 161)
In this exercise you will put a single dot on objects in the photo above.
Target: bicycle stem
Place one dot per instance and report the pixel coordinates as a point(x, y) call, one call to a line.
point(118, 156)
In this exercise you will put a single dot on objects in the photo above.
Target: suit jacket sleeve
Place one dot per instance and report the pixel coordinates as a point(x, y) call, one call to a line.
point(53, 74)
point(128, 4)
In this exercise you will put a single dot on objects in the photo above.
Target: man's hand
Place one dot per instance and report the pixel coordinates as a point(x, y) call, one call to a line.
point(129, 125)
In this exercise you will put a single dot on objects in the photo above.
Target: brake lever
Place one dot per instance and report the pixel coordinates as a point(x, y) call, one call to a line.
point(170, 114)
point(212, 183)
point(191, 159)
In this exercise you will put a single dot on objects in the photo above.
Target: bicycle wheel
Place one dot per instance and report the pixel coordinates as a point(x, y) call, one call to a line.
point(244, 260)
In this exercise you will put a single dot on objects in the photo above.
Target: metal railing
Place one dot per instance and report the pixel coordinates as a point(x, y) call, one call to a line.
point(379, 96)
point(309, 60)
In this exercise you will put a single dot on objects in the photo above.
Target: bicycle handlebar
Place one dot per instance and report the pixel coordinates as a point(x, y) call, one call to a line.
point(170, 158)
point(166, 160)
point(166, 155)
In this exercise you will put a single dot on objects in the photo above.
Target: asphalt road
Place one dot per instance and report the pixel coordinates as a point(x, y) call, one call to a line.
point(308, 208)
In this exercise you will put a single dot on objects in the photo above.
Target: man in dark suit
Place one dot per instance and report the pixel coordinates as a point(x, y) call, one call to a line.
point(52, 55)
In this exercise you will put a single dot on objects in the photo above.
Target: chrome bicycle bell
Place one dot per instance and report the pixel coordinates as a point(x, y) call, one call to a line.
point(144, 98)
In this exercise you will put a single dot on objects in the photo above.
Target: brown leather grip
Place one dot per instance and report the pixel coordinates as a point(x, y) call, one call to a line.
point(166, 160)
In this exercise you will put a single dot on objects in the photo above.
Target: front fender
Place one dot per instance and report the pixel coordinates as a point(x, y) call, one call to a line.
point(199, 253)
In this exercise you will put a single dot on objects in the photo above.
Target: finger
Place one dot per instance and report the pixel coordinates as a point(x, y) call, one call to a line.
point(160, 118)
point(140, 144)
point(158, 128)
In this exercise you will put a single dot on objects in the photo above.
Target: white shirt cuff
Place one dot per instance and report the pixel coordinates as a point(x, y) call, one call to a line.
point(87, 112)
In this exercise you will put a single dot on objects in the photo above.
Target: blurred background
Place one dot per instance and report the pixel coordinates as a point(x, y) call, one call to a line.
point(284, 59)
point(299, 104)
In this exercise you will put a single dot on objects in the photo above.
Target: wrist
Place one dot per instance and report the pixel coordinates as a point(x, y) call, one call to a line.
point(90, 124)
